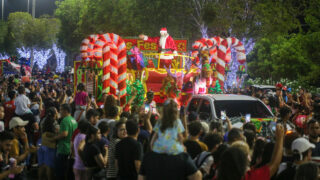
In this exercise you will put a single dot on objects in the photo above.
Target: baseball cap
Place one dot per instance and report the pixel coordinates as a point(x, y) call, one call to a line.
point(301, 145)
point(16, 121)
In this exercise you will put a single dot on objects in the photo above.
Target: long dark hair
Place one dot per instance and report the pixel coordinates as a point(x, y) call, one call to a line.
point(169, 114)
point(48, 124)
point(110, 101)
point(116, 127)
point(235, 160)
point(91, 130)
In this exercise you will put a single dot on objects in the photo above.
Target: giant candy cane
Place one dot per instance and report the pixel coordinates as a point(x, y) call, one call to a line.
point(222, 56)
point(87, 47)
point(112, 49)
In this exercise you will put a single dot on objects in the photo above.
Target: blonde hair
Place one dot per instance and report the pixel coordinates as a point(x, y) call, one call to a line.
point(169, 114)
point(243, 146)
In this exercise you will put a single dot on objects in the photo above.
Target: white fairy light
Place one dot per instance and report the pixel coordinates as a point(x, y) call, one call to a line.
point(60, 57)
point(41, 57)
point(24, 52)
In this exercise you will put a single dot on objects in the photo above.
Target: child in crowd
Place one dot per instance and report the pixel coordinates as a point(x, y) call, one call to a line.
point(168, 136)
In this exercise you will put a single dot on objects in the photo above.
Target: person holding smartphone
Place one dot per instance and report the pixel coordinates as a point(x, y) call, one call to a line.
point(150, 104)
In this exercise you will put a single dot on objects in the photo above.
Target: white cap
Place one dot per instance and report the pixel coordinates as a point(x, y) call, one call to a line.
point(301, 145)
point(16, 121)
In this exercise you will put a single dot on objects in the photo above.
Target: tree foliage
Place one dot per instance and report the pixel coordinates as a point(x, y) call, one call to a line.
point(25, 31)
point(291, 52)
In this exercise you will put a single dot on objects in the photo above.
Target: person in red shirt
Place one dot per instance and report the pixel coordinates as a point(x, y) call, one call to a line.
point(234, 162)
point(9, 108)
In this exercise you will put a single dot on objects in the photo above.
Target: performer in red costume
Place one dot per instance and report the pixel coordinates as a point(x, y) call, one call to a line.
point(166, 46)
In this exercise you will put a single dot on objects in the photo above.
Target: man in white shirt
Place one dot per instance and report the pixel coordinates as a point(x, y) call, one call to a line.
point(22, 102)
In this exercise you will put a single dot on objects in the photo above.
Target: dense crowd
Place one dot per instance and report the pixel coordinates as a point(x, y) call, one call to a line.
point(65, 134)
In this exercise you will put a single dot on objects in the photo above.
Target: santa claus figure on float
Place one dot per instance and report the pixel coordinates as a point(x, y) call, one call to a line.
point(166, 46)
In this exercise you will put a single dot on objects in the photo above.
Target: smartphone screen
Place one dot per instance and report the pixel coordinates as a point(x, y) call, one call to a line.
point(248, 118)
point(223, 115)
point(146, 108)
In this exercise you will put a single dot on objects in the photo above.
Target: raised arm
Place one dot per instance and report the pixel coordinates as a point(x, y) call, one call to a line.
point(277, 151)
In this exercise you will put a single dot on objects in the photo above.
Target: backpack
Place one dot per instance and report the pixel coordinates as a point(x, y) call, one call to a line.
point(199, 162)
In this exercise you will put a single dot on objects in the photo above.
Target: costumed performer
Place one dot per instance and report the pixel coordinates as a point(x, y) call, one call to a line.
point(166, 45)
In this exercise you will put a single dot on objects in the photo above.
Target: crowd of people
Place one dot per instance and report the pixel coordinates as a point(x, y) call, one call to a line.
point(64, 133)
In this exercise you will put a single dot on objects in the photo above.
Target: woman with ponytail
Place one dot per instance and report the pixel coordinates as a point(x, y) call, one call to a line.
point(168, 136)
point(47, 151)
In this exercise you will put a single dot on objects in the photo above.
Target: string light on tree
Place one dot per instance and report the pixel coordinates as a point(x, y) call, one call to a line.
point(4, 56)
point(232, 75)
point(41, 57)
point(24, 52)
point(60, 57)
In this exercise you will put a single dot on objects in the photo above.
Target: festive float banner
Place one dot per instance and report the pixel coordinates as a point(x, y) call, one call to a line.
point(150, 46)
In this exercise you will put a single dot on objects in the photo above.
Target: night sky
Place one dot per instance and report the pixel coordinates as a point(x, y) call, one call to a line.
point(42, 7)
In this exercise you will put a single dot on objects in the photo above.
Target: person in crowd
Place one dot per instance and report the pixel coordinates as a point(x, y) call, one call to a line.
point(285, 114)
point(169, 167)
point(92, 117)
point(314, 133)
point(67, 127)
point(9, 108)
point(20, 147)
point(102, 101)
point(195, 131)
point(145, 129)
point(302, 150)
point(119, 133)
point(6, 139)
point(104, 142)
point(307, 171)
point(47, 151)
point(36, 106)
point(79, 169)
point(109, 102)
point(250, 139)
point(111, 119)
point(27, 87)
point(193, 148)
point(168, 136)
point(216, 127)
point(23, 103)
point(129, 153)
point(287, 153)
point(150, 103)
point(69, 98)
point(235, 159)
point(81, 102)
point(235, 134)
point(204, 161)
point(267, 154)
point(256, 158)
point(93, 158)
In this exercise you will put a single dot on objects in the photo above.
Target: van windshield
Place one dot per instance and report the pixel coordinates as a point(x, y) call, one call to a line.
point(241, 108)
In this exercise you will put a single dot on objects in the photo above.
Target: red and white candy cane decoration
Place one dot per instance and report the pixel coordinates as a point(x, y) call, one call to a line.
point(222, 53)
point(87, 47)
point(112, 49)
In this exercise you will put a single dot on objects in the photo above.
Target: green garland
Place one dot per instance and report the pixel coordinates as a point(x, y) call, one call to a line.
point(138, 87)
point(216, 89)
